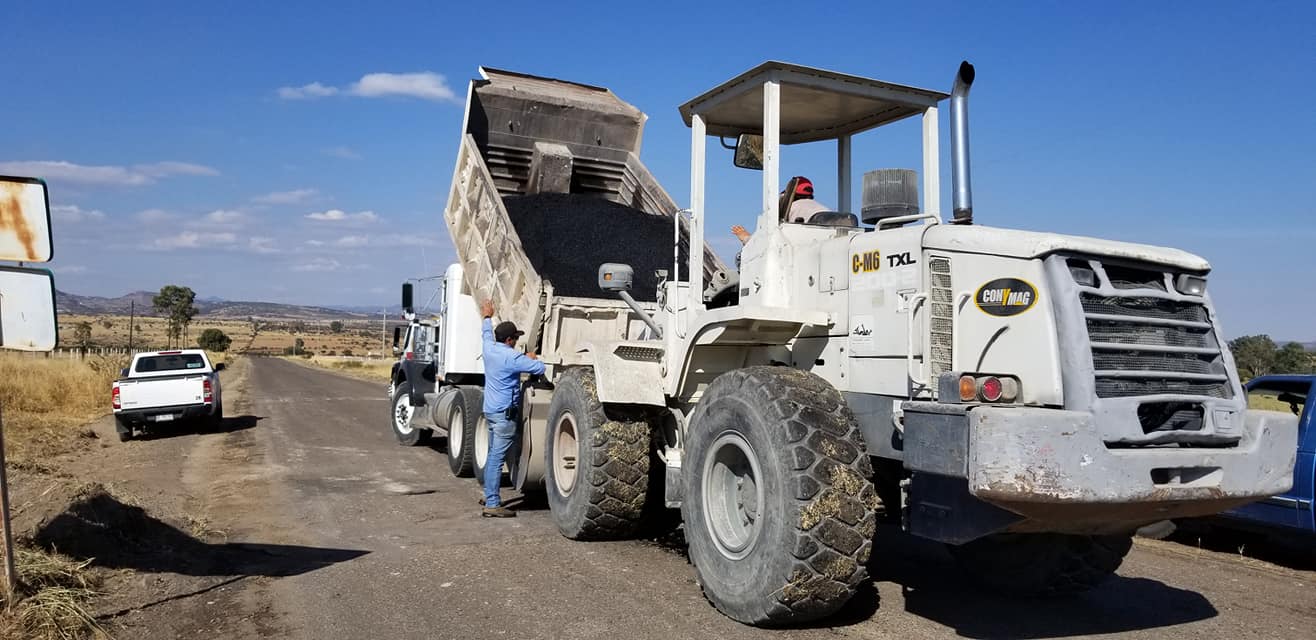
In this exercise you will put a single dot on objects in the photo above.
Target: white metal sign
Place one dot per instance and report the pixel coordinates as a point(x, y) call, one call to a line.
point(27, 309)
point(24, 220)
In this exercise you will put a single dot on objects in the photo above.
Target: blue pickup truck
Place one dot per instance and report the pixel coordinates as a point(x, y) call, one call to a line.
point(1290, 512)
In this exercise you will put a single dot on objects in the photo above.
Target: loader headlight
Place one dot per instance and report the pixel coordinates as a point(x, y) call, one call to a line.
point(1082, 272)
point(1190, 285)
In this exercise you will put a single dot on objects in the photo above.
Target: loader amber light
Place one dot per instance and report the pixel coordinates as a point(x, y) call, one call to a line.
point(968, 389)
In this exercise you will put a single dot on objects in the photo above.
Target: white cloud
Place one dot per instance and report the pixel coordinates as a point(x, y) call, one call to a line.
point(154, 215)
point(261, 244)
point(342, 152)
point(193, 240)
point(352, 241)
point(103, 175)
point(338, 215)
point(296, 196)
point(405, 240)
point(318, 264)
point(74, 213)
point(315, 243)
point(307, 92)
point(225, 216)
point(425, 85)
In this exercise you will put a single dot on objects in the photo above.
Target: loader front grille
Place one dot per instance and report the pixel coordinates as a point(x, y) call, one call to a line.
point(1146, 343)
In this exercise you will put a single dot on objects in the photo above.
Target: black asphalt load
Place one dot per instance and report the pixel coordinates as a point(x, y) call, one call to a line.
point(567, 236)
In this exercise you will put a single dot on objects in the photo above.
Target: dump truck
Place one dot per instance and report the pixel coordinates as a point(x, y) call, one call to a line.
point(1028, 399)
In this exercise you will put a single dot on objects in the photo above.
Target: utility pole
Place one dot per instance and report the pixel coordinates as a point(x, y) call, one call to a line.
point(383, 331)
point(132, 317)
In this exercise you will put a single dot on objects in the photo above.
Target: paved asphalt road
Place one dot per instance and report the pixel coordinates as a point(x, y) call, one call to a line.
point(385, 543)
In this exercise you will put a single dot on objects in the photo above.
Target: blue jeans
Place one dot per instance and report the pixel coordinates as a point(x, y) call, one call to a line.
point(502, 435)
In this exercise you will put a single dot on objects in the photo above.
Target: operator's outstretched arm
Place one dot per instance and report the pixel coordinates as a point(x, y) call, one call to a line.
point(486, 310)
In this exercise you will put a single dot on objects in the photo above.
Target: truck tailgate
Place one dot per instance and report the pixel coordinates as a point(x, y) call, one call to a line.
point(166, 391)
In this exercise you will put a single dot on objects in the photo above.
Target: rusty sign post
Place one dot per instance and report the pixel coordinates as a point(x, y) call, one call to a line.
point(27, 306)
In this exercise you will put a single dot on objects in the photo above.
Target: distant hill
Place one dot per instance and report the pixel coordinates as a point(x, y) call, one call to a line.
point(73, 303)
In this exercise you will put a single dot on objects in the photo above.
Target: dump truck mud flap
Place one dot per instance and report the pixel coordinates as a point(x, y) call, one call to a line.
point(1049, 470)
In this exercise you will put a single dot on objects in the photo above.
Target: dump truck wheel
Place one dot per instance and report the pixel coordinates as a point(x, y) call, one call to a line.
point(463, 418)
point(597, 467)
point(400, 415)
point(779, 503)
point(1041, 564)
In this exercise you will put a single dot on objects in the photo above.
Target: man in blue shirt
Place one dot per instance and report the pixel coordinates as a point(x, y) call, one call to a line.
point(503, 366)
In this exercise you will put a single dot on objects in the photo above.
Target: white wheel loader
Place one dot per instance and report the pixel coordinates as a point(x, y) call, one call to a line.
point(1029, 399)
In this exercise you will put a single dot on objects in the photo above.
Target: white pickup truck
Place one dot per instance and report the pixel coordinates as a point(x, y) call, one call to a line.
point(167, 386)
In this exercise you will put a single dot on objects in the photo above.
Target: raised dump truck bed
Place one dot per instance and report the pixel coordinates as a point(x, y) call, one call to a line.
point(526, 135)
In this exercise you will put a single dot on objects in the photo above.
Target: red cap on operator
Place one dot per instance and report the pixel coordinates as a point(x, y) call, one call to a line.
point(803, 187)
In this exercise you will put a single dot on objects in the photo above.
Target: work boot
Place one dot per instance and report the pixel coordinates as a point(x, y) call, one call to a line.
point(497, 512)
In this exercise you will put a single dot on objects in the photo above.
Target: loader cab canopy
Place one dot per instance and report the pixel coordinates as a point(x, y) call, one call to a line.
point(815, 104)
point(792, 104)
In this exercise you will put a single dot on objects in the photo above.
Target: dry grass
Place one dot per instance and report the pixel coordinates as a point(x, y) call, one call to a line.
point(376, 370)
point(269, 336)
point(53, 599)
point(46, 402)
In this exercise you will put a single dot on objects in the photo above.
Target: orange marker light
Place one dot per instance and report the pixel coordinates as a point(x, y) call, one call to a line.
point(968, 389)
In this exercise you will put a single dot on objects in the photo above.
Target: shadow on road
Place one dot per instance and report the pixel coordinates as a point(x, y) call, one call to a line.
point(196, 427)
point(1221, 535)
point(100, 528)
point(934, 588)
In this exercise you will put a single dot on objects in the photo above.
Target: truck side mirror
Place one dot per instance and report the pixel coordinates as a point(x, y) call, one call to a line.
point(616, 277)
point(123, 373)
point(397, 336)
point(406, 297)
point(219, 367)
point(749, 151)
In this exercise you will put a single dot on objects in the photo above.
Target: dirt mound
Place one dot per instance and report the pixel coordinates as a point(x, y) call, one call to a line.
point(567, 236)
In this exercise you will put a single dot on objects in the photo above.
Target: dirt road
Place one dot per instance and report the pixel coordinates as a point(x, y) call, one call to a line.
point(311, 522)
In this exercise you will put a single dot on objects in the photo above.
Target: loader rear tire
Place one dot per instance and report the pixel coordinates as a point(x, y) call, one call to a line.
point(596, 466)
point(463, 420)
point(779, 504)
point(1041, 564)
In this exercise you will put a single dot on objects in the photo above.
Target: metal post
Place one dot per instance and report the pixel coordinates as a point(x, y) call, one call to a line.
point(698, 142)
point(11, 568)
point(132, 318)
point(771, 154)
point(843, 188)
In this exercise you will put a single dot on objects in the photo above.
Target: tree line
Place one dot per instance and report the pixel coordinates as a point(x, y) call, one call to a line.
point(1259, 356)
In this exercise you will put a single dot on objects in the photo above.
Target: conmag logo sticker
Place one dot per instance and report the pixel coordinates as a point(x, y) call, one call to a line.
point(1005, 297)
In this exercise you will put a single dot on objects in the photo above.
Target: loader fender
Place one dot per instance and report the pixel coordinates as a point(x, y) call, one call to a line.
point(628, 372)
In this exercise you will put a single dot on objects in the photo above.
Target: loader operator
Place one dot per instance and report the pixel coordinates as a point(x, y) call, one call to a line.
point(796, 205)
point(503, 366)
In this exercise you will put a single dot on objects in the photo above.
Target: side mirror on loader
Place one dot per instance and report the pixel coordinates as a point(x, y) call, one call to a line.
point(397, 336)
point(616, 277)
point(406, 297)
point(749, 151)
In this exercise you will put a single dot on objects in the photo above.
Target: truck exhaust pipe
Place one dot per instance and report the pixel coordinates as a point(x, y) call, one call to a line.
point(962, 193)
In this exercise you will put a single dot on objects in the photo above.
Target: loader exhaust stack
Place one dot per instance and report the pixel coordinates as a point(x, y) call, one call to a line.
point(962, 193)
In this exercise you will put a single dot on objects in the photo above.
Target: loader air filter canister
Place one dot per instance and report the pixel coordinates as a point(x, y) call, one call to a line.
point(889, 193)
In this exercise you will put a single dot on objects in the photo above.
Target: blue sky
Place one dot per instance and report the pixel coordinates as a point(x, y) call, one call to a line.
point(174, 156)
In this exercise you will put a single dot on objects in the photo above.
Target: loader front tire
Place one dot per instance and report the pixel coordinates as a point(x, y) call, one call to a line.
point(779, 503)
point(596, 466)
point(1041, 564)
